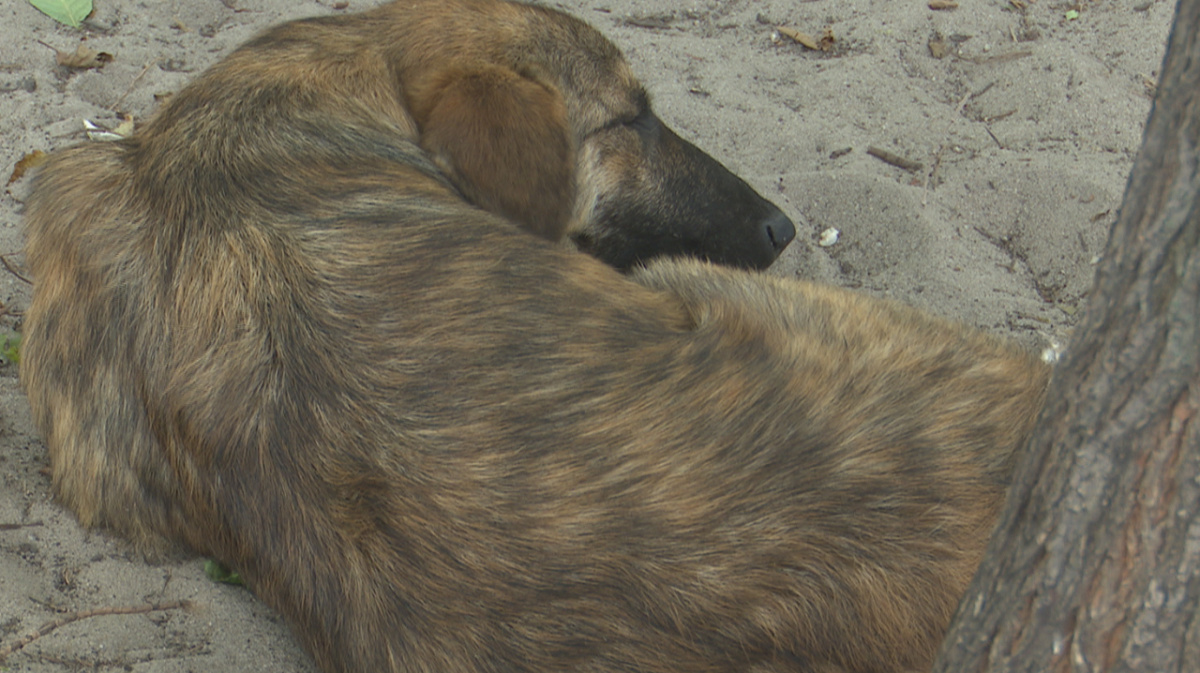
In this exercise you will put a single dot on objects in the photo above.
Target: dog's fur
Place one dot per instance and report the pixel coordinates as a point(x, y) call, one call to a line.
point(292, 326)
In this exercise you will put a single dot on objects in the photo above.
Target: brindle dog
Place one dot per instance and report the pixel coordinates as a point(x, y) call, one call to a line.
point(293, 324)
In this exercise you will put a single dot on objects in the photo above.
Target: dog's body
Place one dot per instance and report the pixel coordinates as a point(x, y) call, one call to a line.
point(291, 325)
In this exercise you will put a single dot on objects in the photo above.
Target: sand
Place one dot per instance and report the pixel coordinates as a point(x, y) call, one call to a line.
point(1024, 122)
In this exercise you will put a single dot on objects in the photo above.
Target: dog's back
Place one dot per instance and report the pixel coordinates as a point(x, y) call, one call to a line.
point(435, 442)
point(465, 450)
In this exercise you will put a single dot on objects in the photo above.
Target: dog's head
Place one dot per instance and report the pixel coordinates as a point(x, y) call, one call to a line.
point(536, 116)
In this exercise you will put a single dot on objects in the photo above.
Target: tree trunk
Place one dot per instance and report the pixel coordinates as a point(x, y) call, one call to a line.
point(1095, 564)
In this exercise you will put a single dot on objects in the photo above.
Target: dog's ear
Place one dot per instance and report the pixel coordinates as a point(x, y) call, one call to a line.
point(503, 139)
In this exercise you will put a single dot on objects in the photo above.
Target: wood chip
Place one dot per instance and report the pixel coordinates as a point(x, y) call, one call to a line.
point(804, 39)
point(943, 4)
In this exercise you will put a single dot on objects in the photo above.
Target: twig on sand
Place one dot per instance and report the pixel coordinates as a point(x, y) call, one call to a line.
point(132, 84)
point(70, 617)
point(13, 271)
point(17, 526)
point(895, 159)
point(931, 177)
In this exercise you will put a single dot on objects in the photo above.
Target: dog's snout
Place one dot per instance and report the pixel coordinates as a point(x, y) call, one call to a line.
point(778, 230)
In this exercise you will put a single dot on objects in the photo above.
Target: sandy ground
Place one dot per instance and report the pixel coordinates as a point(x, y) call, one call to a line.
point(1024, 128)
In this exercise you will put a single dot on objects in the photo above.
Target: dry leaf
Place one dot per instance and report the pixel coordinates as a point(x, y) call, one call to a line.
point(803, 38)
point(83, 57)
point(31, 160)
point(943, 4)
point(827, 40)
point(938, 46)
point(125, 128)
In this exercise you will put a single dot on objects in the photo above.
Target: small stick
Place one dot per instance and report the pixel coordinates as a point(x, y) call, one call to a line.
point(932, 176)
point(963, 103)
point(17, 526)
point(1002, 115)
point(993, 135)
point(9, 267)
point(87, 614)
point(113, 107)
point(1001, 58)
point(895, 160)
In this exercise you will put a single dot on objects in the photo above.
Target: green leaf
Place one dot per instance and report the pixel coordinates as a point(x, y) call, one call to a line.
point(10, 348)
point(70, 12)
point(219, 572)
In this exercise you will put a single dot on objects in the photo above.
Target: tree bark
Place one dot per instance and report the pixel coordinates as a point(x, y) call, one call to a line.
point(1095, 564)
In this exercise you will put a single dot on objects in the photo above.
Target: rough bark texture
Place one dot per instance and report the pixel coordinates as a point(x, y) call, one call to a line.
point(1095, 565)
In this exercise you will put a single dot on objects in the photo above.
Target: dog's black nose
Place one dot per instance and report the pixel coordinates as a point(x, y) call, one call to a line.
point(778, 230)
